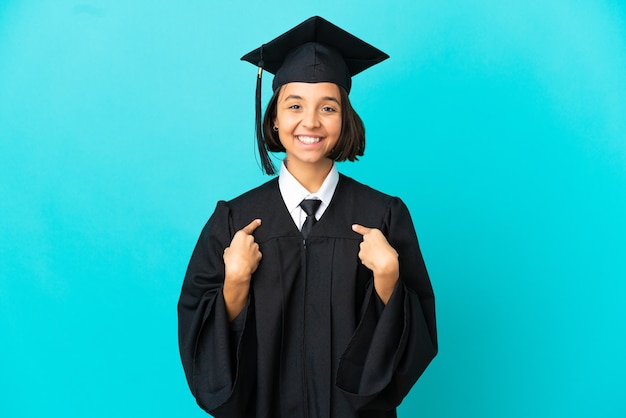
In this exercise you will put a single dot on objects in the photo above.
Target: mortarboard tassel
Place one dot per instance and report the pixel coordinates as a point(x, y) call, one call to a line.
point(268, 165)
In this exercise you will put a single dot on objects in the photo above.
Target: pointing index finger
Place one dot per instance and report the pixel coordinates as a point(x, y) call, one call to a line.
point(249, 229)
point(360, 229)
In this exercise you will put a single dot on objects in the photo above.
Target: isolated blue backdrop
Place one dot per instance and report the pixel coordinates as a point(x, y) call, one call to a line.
point(502, 124)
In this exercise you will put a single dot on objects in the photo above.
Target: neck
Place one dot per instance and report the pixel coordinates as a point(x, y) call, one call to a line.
point(310, 176)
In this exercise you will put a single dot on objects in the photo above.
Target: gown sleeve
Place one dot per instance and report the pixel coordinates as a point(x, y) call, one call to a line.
point(214, 351)
point(392, 347)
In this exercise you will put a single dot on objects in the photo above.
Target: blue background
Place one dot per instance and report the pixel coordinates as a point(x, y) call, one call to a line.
point(502, 124)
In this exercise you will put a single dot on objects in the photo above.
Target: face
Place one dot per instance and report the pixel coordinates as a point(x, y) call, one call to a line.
point(308, 117)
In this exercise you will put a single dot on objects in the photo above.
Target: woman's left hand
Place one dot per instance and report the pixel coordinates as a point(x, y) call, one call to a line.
point(377, 255)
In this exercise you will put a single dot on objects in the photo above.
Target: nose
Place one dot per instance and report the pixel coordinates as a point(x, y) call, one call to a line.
point(310, 119)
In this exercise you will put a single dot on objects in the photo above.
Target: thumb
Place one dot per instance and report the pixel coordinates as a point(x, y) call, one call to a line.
point(360, 229)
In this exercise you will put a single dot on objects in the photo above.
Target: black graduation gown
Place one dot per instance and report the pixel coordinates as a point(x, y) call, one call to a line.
point(314, 339)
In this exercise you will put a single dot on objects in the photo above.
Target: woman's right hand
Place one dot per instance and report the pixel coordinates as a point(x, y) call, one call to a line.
point(241, 259)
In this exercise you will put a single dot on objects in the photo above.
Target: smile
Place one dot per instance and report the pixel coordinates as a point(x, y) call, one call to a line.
point(309, 139)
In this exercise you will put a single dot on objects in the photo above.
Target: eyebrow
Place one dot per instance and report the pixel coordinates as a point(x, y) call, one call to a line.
point(325, 98)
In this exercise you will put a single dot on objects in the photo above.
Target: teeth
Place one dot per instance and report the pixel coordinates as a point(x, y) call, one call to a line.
point(308, 139)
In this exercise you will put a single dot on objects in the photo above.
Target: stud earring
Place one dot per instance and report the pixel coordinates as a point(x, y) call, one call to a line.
point(275, 128)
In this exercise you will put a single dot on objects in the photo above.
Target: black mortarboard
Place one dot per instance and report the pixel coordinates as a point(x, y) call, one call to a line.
point(315, 51)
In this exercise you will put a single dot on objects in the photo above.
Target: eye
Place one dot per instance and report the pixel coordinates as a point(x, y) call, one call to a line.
point(295, 107)
point(328, 109)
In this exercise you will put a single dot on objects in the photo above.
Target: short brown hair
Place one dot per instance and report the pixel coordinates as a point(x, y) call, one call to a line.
point(351, 143)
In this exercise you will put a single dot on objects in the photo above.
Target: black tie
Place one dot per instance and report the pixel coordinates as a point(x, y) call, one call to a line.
point(309, 206)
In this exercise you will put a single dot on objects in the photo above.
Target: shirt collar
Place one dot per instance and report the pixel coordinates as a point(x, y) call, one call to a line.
point(293, 192)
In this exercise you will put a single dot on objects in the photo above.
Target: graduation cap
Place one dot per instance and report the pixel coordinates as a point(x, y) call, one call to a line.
point(314, 51)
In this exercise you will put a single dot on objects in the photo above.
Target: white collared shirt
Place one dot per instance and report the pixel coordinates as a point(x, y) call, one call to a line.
point(293, 193)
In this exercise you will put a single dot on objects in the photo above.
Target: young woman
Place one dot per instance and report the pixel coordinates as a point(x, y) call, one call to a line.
point(308, 296)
